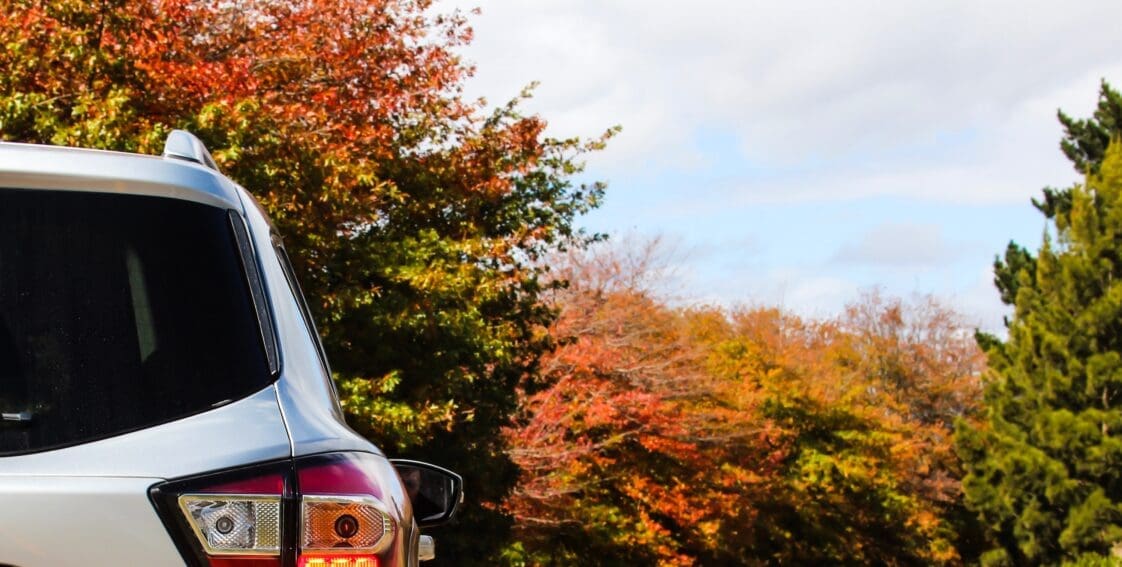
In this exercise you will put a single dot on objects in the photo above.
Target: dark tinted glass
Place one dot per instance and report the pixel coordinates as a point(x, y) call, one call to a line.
point(118, 312)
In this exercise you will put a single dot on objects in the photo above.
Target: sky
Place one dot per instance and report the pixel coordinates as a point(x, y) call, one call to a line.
point(799, 153)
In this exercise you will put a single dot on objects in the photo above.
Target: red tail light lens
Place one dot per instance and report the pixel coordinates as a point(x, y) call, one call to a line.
point(321, 511)
point(338, 561)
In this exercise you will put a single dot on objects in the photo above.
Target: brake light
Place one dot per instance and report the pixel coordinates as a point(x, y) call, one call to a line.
point(322, 511)
point(338, 561)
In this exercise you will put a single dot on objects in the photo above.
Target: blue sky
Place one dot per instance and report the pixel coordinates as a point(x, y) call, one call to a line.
point(796, 153)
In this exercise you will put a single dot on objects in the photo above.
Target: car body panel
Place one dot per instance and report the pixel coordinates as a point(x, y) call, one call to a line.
point(26, 166)
point(202, 442)
point(88, 504)
point(63, 521)
point(305, 392)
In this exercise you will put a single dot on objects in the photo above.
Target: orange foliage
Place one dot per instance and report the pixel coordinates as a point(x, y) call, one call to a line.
point(681, 436)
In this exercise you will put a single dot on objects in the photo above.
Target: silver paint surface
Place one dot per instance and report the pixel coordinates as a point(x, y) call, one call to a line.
point(26, 166)
point(96, 493)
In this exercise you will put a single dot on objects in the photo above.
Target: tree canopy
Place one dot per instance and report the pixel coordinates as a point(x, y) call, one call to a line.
point(1084, 143)
point(1044, 470)
point(469, 323)
point(683, 436)
point(417, 219)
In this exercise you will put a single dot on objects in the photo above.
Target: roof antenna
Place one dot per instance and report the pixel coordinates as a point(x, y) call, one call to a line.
point(183, 145)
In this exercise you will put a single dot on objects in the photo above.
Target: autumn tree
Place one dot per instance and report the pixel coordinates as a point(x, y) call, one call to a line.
point(921, 372)
point(703, 435)
point(864, 406)
point(417, 219)
point(618, 462)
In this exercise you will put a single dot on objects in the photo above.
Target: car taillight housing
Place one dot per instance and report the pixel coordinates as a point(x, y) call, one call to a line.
point(235, 524)
point(328, 510)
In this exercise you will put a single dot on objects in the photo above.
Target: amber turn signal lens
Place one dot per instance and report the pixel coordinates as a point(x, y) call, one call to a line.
point(345, 524)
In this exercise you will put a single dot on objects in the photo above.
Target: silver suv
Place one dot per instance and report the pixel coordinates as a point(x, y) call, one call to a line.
point(164, 394)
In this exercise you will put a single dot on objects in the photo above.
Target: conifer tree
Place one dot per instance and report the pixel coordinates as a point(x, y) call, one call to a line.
point(1084, 143)
point(1045, 469)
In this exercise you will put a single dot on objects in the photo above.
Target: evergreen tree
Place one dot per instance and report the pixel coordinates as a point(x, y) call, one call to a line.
point(1084, 143)
point(1045, 469)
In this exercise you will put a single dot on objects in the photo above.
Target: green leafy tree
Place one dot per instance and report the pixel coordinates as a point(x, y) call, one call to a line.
point(1045, 469)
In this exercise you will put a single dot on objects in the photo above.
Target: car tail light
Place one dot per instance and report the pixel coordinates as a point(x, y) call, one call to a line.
point(235, 525)
point(322, 511)
point(338, 561)
point(353, 523)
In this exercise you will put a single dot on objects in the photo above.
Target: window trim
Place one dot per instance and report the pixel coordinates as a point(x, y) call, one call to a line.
point(256, 285)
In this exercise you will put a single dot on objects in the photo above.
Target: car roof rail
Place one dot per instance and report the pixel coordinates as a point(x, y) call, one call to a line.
point(182, 144)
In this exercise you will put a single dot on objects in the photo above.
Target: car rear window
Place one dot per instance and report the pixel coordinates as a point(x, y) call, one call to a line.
point(118, 312)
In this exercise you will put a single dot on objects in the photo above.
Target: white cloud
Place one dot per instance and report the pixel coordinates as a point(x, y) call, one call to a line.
point(727, 105)
point(898, 245)
point(801, 290)
point(870, 88)
point(817, 296)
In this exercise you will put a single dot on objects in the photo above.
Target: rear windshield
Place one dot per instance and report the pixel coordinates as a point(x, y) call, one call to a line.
point(118, 312)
